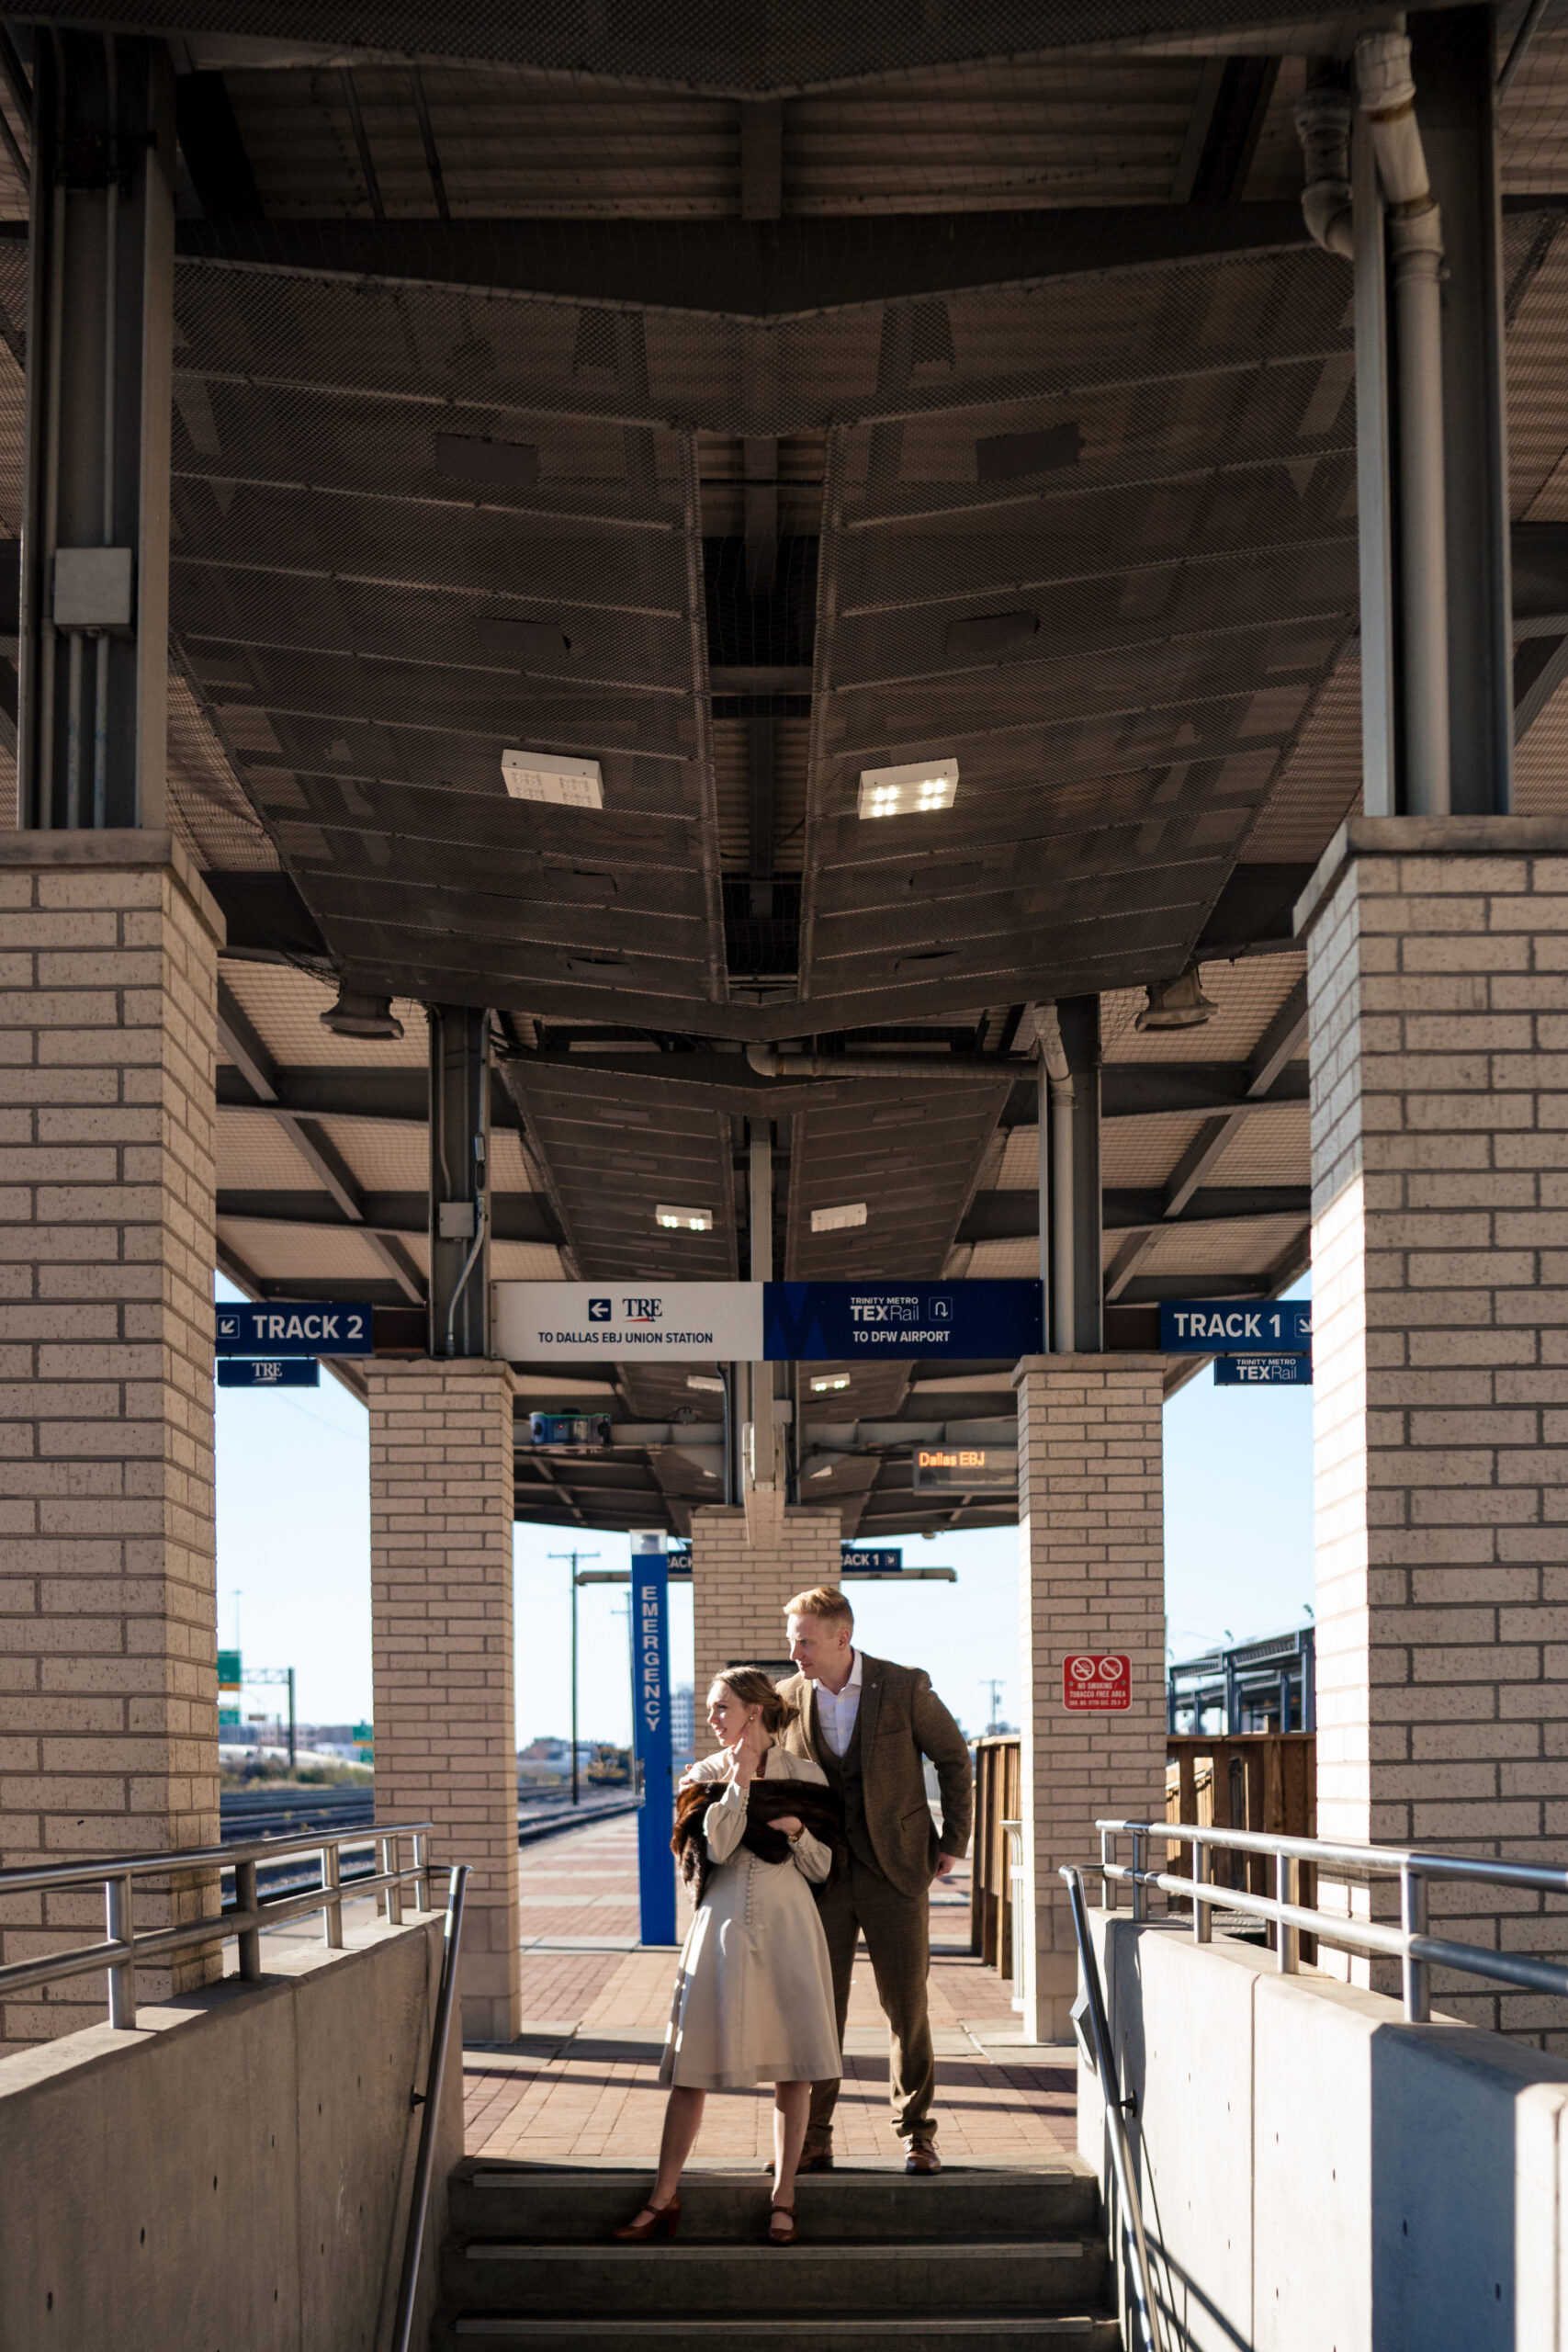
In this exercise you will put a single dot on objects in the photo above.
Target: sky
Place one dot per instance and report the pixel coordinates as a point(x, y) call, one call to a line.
point(293, 1563)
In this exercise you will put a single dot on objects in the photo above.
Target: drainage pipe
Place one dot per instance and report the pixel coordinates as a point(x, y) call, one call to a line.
point(1060, 1098)
point(1322, 126)
point(1415, 265)
point(989, 1069)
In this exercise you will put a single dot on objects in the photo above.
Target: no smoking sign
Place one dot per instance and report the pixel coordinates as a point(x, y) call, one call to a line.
point(1096, 1685)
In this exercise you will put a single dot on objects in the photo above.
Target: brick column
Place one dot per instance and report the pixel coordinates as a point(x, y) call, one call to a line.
point(1438, 951)
point(441, 1513)
point(738, 1587)
point(108, 1688)
point(1090, 1523)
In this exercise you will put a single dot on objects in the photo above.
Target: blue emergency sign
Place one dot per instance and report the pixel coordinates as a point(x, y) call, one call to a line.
point(650, 1739)
point(1230, 1327)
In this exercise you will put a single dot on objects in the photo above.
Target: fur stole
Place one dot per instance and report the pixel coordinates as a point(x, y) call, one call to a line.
point(765, 1801)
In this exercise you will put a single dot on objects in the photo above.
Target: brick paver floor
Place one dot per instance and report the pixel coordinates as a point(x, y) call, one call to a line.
point(581, 2084)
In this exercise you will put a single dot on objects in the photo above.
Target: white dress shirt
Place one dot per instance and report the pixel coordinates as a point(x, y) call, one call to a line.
point(836, 1711)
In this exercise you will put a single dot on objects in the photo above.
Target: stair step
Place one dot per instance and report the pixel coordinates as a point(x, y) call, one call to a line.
point(583, 2206)
point(678, 2280)
point(1073, 2330)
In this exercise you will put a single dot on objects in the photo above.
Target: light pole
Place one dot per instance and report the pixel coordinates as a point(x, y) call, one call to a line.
point(995, 1688)
point(574, 1558)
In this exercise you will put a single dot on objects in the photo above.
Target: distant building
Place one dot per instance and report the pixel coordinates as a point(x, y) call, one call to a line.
point(682, 1719)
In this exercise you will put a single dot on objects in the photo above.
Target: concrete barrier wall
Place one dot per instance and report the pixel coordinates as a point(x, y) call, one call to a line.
point(234, 2175)
point(1316, 2176)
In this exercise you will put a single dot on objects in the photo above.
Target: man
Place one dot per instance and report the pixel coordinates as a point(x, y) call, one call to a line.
point(871, 1725)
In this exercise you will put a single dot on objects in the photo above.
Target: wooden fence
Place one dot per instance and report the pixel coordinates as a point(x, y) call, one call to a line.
point(1265, 1779)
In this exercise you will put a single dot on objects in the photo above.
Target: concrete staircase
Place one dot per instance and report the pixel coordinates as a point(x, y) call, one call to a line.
point(953, 2264)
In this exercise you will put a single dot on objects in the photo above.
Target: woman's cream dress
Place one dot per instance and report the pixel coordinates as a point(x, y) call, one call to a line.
point(754, 1993)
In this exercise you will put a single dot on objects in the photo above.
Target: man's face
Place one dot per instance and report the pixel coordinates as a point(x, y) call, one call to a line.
point(818, 1644)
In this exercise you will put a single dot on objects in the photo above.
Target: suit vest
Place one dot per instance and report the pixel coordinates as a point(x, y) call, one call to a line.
point(845, 1780)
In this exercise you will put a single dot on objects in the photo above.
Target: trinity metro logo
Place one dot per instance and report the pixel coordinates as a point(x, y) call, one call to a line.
point(633, 1311)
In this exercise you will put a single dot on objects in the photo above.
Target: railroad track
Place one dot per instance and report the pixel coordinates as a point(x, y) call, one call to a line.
point(337, 1811)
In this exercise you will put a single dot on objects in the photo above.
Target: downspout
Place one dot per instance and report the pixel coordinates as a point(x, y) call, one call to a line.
point(1387, 99)
point(1059, 1092)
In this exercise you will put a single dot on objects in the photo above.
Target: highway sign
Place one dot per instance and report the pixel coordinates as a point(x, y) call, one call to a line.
point(833, 1322)
point(1263, 1372)
point(965, 1468)
point(1097, 1684)
point(1229, 1326)
point(268, 1372)
point(297, 1327)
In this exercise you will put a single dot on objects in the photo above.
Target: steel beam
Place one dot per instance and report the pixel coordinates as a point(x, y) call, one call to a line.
point(93, 655)
point(460, 1203)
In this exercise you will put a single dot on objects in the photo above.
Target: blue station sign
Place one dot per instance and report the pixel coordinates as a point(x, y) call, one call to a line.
point(829, 1322)
point(1263, 1372)
point(1229, 1326)
point(870, 1559)
point(268, 1372)
point(302, 1326)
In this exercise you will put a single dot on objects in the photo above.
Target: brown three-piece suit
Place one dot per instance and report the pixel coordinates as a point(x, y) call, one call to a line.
point(894, 1845)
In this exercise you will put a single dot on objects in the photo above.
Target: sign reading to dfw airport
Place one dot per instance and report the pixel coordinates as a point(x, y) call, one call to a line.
point(1225, 1326)
point(1263, 1372)
point(302, 1326)
point(764, 1322)
point(1093, 1684)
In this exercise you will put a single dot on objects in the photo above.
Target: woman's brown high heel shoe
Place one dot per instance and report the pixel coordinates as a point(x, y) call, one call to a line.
point(781, 2237)
point(662, 2222)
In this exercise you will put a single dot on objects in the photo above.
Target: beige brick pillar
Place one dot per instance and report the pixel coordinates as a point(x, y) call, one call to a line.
point(109, 1686)
point(738, 1587)
point(441, 1513)
point(1438, 968)
point(1091, 1528)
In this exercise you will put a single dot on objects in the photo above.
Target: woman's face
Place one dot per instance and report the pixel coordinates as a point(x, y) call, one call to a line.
point(727, 1718)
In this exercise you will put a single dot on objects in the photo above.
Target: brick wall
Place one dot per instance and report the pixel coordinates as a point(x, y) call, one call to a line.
point(1438, 978)
point(108, 1717)
point(441, 1576)
point(739, 1588)
point(1092, 1535)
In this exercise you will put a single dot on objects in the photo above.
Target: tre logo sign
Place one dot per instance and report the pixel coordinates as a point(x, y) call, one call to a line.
point(1096, 1685)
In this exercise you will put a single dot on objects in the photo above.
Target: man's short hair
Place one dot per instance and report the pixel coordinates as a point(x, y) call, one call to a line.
point(822, 1601)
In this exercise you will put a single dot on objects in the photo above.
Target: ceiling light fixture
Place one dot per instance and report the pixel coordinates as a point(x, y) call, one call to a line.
point(912, 791)
point(705, 1381)
point(356, 1014)
point(676, 1220)
point(833, 1383)
point(566, 784)
point(838, 1220)
point(1176, 1004)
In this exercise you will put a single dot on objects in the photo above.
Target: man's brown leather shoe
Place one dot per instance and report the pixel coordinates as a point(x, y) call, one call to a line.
point(920, 2155)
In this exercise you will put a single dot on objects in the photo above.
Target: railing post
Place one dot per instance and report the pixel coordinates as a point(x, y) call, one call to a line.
point(332, 1880)
point(246, 1899)
point(1140, 1891)
point(122, 1973)
point(420, 1872)
point(1286, 1941)
point(1202, 1915)
point(1107, 1883)
point(394, 1883)
point(1413, 1919)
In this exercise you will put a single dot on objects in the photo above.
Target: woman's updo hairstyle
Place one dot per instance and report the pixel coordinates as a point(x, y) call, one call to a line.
point(754, 1687)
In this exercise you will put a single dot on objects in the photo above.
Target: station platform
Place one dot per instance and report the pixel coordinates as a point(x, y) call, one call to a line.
point(581, 2084)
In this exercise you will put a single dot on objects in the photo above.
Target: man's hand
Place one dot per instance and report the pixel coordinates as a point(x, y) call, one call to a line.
point(945, 1863)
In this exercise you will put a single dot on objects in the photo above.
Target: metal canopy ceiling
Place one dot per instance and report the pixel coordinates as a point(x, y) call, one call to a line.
point(983, 400)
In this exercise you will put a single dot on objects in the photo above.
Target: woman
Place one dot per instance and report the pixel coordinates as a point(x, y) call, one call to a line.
point(753, 1993)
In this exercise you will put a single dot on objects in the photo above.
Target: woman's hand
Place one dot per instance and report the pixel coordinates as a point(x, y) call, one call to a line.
point(746, 1756)
point(788, 1823)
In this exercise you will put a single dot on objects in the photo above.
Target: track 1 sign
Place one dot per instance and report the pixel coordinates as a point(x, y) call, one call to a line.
point(1097, 1684)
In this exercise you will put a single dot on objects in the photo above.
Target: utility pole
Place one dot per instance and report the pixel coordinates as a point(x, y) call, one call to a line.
point(574, 1558)
point(995, 1688)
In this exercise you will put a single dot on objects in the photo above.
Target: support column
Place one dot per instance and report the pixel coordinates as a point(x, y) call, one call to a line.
point(1090, 1523)
point(441, 1576)
point(739, 1587)
point(109, 1693)
point(1439, 1109)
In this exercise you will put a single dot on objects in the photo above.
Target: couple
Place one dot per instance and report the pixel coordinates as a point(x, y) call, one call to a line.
point(819, 1785)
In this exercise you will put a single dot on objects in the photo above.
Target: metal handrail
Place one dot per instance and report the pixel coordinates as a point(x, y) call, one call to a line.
point(1409, 1943)
point(123, 1949)
point(430, 2098)
point(1116, 2107)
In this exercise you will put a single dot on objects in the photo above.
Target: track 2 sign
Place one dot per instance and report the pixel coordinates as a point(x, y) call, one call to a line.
point(1097, 1685)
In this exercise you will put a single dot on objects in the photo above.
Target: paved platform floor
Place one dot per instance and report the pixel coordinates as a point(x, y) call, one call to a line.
point(581, 2084)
